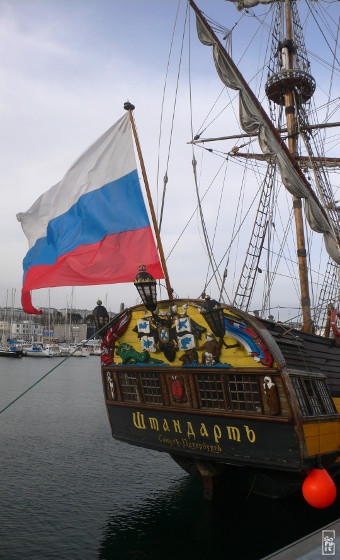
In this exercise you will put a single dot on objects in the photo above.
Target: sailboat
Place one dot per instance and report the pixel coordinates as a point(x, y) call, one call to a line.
point(242, 400)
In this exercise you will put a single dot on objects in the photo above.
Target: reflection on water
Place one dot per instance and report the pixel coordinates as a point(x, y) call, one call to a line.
point(177, 524)
point(70, 492)
point(161, 528)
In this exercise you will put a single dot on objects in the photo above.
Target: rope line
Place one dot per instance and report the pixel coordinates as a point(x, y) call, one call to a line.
point(163, 99)
point(172, 122)
point(50, 371)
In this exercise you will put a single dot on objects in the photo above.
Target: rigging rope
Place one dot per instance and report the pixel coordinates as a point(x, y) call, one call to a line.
point(321, 31)
point(237, 232)
point(331, 82)
point(51, 370)
point(194, 212)
point(172, 121)
point(163, 98)
point(202, 130)
point(194, 165)
point(215, 230)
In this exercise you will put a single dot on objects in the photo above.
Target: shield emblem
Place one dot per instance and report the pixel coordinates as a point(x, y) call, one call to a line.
point(143, 326)
point(186, 342)
point(148, 343)
point(163, 335)
point(183, 324)
point(177, 389)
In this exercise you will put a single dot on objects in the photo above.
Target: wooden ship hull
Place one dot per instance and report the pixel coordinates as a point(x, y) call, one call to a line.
point(252, 411)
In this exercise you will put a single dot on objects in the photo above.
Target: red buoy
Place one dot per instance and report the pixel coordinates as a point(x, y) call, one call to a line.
point(318, 488)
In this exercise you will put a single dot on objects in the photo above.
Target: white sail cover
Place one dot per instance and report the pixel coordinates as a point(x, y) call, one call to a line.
point(254, 120)
point(250, 3)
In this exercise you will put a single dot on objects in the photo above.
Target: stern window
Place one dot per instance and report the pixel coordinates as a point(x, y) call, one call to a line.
point(129, 387)
point(313, 396)
point(244, 393)
point(211, 391)
point(325, 396)
point(151, 388)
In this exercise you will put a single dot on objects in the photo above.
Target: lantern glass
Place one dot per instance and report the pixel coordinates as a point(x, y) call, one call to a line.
point(100, 315)
point(213, 314)
point(146, 287)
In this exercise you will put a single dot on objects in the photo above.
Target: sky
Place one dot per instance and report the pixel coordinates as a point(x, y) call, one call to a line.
point(66, 69)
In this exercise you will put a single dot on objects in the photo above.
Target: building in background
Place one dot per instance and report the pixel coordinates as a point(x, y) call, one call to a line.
point(64, 325)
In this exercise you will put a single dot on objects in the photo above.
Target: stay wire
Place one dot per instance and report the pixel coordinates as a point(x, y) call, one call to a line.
point(237, 232)
point(163, 99)
point(215, 230)
point(202, 130)
point(200, 210)
point(172, 122)
point(322, 33)
point(194, 212)
point(53, 369)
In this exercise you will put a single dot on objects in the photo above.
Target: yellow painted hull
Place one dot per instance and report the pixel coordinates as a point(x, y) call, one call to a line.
point(322, 437)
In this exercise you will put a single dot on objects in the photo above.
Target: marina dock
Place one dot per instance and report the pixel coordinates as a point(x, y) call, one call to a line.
point(325, 542)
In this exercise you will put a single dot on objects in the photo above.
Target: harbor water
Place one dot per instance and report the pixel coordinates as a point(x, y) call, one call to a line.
point(70, 492)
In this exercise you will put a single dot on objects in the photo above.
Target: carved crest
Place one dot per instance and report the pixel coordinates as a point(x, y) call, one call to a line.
point(177, 389)
point(272, 397)
point(111, 386)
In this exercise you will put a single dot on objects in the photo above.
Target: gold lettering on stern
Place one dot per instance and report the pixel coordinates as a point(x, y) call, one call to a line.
point(177, 426)
point(154, 424)
point(166, 427)
point(233, 433)
point(191, 431)
point(169, 441)
point(217, 433)
point(204, 431)
point(138, 420)
point(201, 446)
point(189, 442)
point(250, 434)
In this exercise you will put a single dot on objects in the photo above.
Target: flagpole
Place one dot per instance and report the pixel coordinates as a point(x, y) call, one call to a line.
point(129, 107)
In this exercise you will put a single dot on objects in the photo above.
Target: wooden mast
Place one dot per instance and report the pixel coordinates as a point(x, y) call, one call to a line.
point(129, 107)
point(287, 56)
point(289, 151)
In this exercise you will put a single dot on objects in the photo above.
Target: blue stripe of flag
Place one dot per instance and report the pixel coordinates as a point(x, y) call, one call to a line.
point(114, 208)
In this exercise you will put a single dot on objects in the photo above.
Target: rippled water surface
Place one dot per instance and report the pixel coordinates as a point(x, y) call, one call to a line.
point(69, 491)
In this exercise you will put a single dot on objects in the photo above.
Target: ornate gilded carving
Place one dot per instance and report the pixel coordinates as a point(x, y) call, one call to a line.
point(111, 388)
point(212, 349)
point(189, 358)
point(177, 389)
point(130, 356)
point(271, 394)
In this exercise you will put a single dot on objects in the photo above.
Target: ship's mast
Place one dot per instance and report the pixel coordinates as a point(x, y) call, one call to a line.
point(287, 56)
point(129, 107)
point(290, 86)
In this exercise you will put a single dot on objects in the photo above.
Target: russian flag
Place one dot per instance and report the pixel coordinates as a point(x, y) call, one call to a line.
point(92, 227)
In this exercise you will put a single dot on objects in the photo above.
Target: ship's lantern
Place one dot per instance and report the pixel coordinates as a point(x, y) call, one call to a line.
point(101, 316)
point(213, 314)
point(318, 488)
point(146, 286)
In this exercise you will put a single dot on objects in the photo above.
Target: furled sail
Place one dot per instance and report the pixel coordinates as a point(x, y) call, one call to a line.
point(250, 3)
point(254, 120)
point(303, 161)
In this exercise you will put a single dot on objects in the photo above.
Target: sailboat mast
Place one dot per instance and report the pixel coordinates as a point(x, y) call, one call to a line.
point(287, 58)
point(129, 107)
